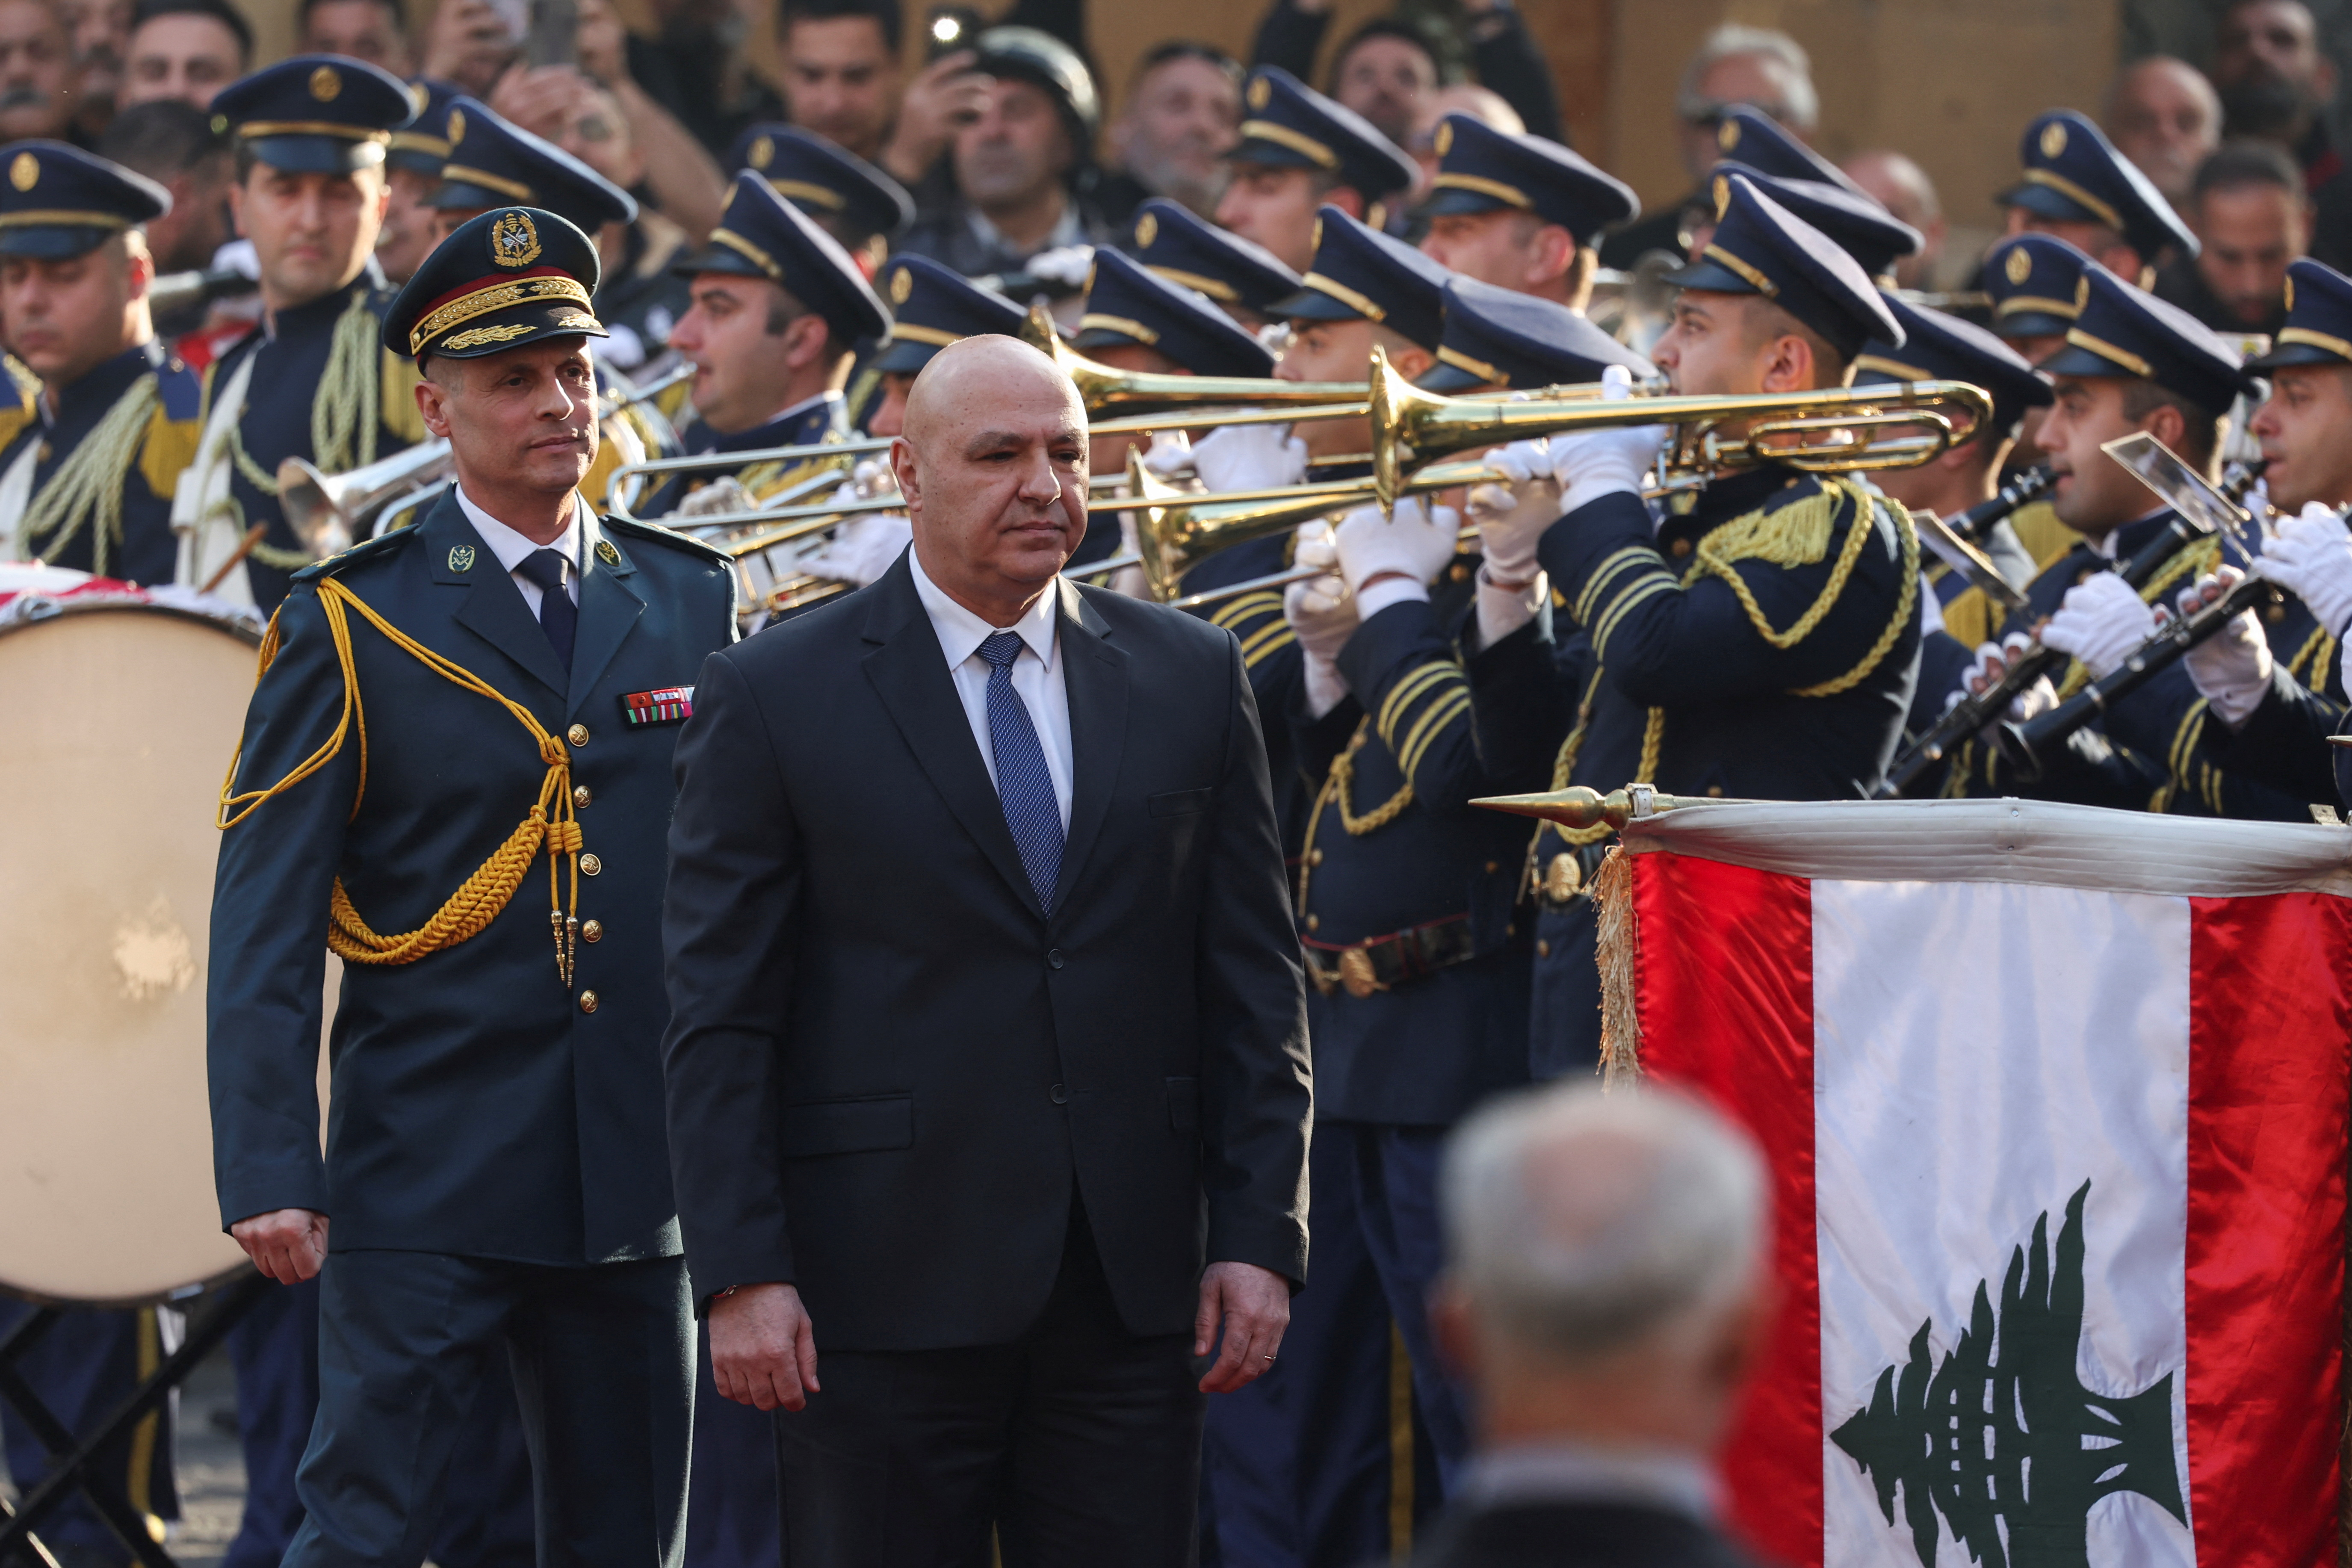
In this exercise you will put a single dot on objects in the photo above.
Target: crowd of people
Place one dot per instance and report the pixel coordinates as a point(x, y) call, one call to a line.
point(212, 267)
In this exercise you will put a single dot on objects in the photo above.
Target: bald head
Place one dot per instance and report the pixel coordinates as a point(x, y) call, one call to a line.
point(1903, 189)
point(2165, 117)
point(992, 464)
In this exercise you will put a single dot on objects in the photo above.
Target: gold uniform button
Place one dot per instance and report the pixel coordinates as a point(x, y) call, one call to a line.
point(1491, 867)
point(580, 798)
point(590, 865)
point(1715, 791)
point(577, 734)
point(1313, 921)
point(1543, 947)
point(587, 1000)
point(1315, 858)
point(591, 930)
point(1679, 548)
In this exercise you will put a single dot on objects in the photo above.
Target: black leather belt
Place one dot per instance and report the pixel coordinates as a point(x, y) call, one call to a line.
point(1379, 963)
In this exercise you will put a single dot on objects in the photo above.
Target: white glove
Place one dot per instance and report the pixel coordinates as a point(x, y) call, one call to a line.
point(721, 494)
point(1524, 461)
point(1324, 615)
point(1511, 520)
point(1169, 454)
point(1604, 462)
point(1416, 545)
point(862, 548)
point(1066, 265)
point(2311, 559)
point(2231, 669)
point(2101, 622)
point(1992, 660)
point(1250, 458)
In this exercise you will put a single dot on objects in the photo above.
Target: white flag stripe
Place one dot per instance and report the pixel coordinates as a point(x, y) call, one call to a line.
point(1981, 1050)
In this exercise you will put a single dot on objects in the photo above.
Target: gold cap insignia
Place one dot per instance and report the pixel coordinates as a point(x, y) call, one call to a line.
point(456, 126)
point(418, 97)
point(1726, 135)
point(2017, 267)
point(326, 82)
point(764, 152)
point(1146, 229)
point(606, 553)
point(1261, 91)
point(902, 283)
point(23, 171)
point(514, 242)
point(1443, 141)
point(474, 337)
point(461, 558)
point(1722, 196)
point(2082, 290)
point(2290, 291)
point(2053, 139)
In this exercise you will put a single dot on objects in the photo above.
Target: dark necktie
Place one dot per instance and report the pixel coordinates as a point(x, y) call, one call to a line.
point(558, 615)
point(1022, 784)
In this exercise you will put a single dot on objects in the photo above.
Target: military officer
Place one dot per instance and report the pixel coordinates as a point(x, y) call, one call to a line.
point(312, 380)
point(88, 483)
point(1760, 144)
point(1520, 212)
point(1244, 278)
point(778, 307)
point(1763, 643)
point(2078, 188)
point(514, 658)
point(412, 164)
point(1300, 152)
point(2306, 428)
point(2131, 362)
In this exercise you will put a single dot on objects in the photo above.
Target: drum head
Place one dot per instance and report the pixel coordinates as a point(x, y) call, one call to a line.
point(118, 727)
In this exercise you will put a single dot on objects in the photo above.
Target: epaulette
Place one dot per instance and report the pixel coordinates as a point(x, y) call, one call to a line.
point(181, 390)
point(365, 549)
point(658, 534)
point(1794, 528)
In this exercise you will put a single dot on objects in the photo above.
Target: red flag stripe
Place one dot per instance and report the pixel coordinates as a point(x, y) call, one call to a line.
point(2271, 1011)
point(1745, 972)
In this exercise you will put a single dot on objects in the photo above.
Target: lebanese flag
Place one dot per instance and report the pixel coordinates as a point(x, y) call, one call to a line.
point(2056, 1101)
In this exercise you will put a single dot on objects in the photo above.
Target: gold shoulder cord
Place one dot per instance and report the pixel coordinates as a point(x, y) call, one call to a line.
point(87, 485)
point(479, 900)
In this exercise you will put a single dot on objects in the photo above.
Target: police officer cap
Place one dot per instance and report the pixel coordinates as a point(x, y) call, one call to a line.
point(764, 236)
point(1480, 169)
point(1499, 337)
point(2033, 279)
point(1874, 236)
point(936, 305)
point(503, 278)
point(1938, 347)
point(1761, 247)
point(60, 201)
point(823, 181)
point(1129, 303)
point(1288, 125)
point(2120, 331)
point(1360, 274)
point(316, 114)
point(1747, 135)
point(1184, 249)
point(1030, 55)
point(2319, 328)
point(2074, 174)
point(422, 146)
point(493, 162)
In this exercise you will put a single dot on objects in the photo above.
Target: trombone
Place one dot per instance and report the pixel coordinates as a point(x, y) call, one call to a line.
point(1833, 430)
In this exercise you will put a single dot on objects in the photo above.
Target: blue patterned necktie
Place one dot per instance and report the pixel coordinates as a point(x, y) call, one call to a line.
point(558, 615)
point(1022, 784)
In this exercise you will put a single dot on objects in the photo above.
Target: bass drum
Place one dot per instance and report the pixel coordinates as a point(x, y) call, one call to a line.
point(118, 723)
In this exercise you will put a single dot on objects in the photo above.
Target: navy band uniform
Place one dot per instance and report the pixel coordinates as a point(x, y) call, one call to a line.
point(1287, 124)
point(87, 482)
point(539, 1216)
point(1243, 277)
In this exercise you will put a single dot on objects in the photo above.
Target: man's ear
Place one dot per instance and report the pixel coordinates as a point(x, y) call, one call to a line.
point(804, 340)
point(2166, 424)
point(1411, 361)
point(432, 402)
point(1346, 198)
point(903, 469)
point(1788, 364)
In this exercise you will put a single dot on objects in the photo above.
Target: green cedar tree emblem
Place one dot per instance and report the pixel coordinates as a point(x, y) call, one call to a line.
point(2002, 1439)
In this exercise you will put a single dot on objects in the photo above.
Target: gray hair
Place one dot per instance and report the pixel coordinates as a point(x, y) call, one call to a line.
point(1582, 1224)
point(1800, 107)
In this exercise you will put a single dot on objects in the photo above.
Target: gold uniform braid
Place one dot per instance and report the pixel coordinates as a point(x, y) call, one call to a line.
point(87, 485)
point(345, 415)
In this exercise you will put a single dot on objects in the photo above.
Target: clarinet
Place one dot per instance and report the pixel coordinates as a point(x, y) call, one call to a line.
point(1976, 523)
point(2025, 745)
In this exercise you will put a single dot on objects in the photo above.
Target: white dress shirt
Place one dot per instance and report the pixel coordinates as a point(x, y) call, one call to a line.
point(1037, 678)
point(512, 549)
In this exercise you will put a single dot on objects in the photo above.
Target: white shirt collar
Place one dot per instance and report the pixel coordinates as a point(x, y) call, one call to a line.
point(803, 407)
point(512, 549)
point(962, 632)
point(1570, 1471)
point(1066, 231)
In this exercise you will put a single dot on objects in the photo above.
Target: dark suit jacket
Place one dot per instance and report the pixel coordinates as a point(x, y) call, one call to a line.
point(890, 1072)
point(478, 1109)
point(1574, 1535)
